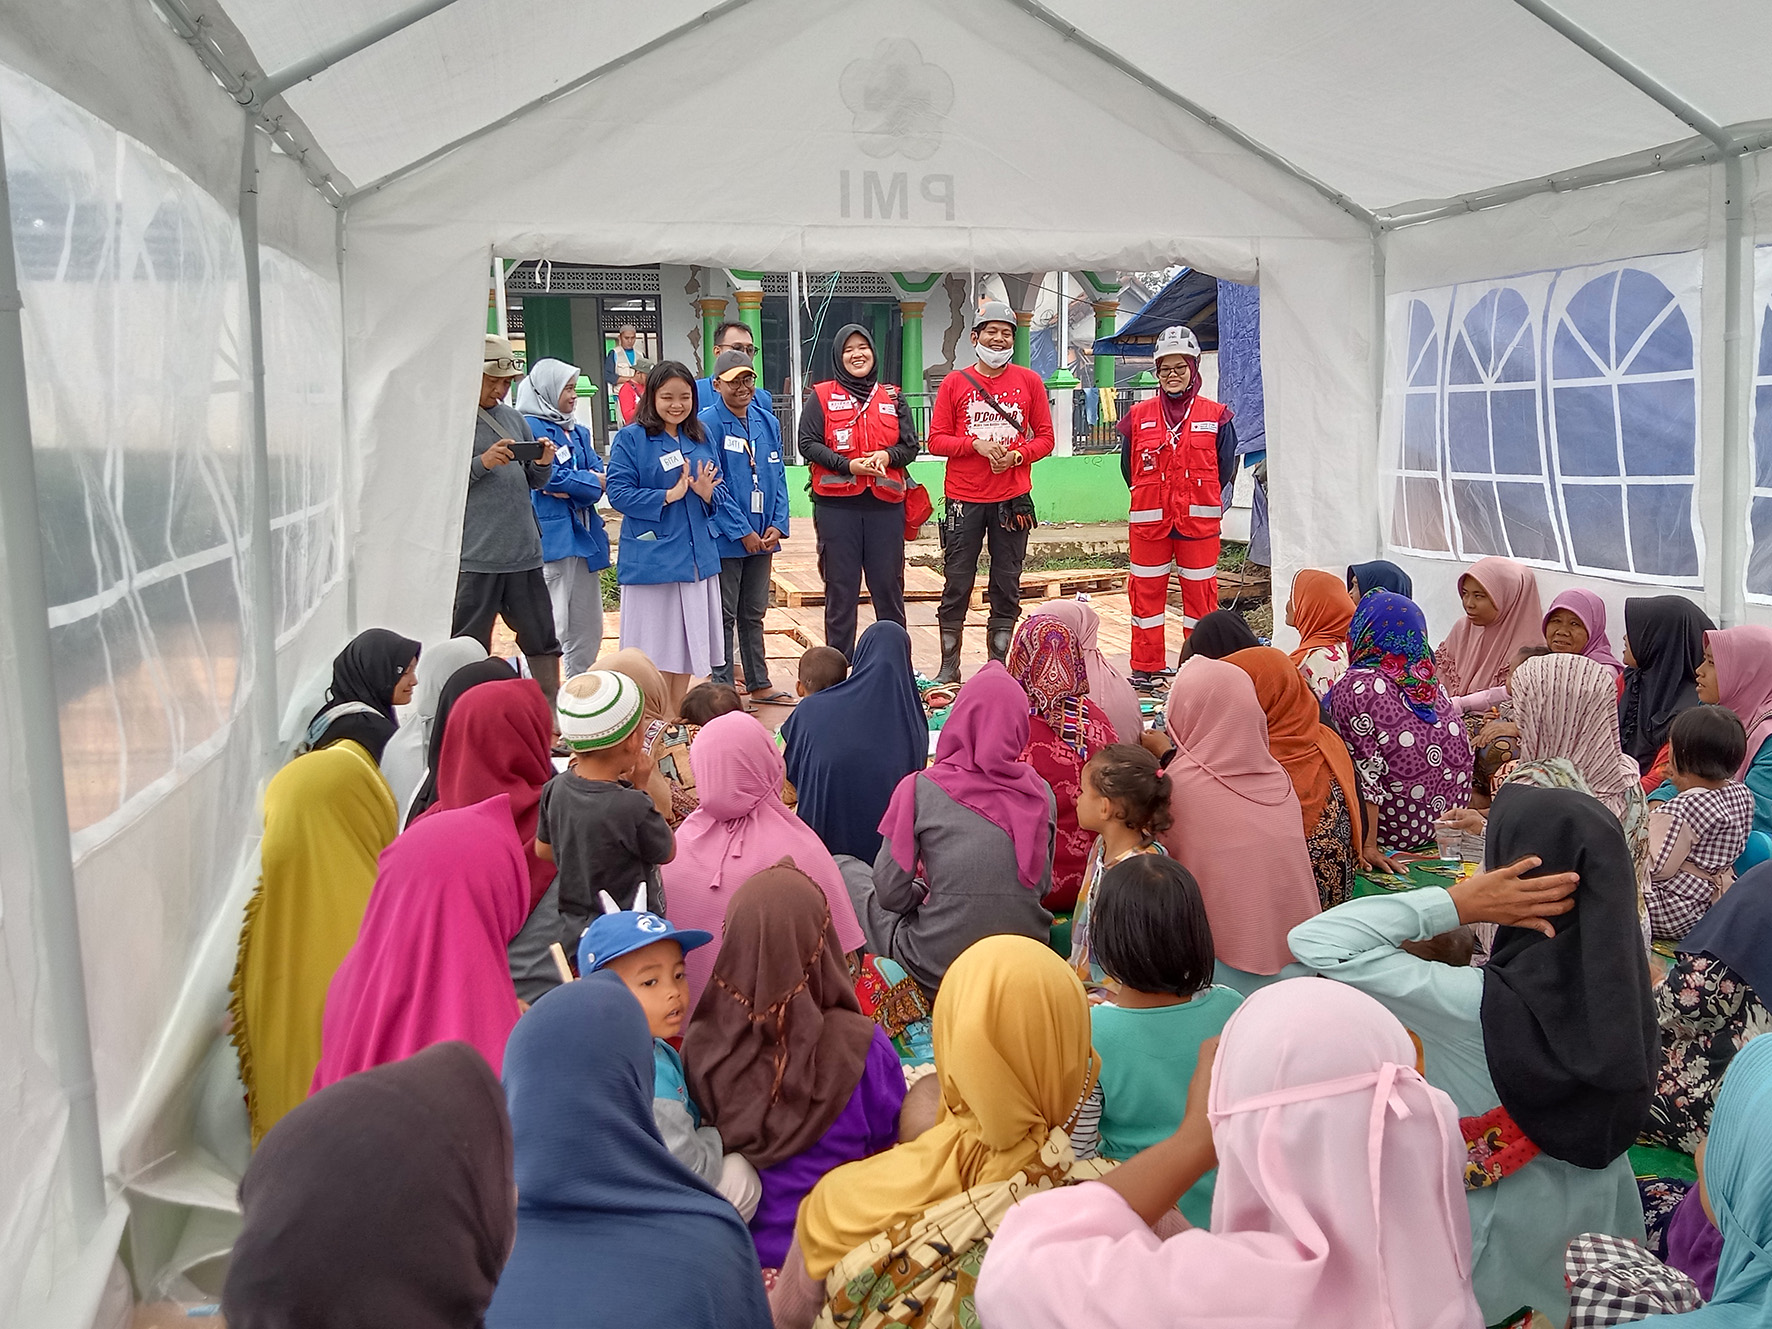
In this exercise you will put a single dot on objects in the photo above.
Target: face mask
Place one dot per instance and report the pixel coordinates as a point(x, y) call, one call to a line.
point(994, 359)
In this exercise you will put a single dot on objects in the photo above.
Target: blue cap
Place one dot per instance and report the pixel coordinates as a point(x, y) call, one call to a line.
point(618, 934)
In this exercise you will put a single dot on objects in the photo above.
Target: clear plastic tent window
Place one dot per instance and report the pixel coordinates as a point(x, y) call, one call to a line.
point(1759, 560)
point(1581, 457)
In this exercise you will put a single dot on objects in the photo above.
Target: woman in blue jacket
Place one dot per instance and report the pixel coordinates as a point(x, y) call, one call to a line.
point(574, 545)
point(664, 479)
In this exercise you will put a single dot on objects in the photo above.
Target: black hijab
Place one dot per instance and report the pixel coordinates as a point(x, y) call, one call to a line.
point(1569, 1026)
point(1222, 632)
point(1380, 575)
point(490, 670)
point(859, 388)
point(1666, 636)
point(385, 1199)
point(1737, 930)
point(360, 703)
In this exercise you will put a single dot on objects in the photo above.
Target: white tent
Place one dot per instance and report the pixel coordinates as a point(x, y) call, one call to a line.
point(1512, 303)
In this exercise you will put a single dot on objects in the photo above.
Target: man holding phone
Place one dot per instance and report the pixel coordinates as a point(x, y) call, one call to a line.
point(500, 542)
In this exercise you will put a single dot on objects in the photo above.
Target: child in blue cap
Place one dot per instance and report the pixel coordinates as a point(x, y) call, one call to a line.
point(646, 952)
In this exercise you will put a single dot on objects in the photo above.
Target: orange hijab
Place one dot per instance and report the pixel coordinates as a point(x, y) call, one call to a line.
point(1321, 611)
point(1311, 752)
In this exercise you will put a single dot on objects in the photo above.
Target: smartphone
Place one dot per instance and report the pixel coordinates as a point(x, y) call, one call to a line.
point(527, 452)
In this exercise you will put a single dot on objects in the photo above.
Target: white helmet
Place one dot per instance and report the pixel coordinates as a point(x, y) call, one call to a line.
point(1178, 340)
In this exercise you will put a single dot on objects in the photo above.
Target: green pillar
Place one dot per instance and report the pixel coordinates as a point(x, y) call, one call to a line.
point(713, 313)
point(1106, 314)
point(750, 313)
point(881, 318)
point(547, 328)
point(910, 368)
point(1024, 322)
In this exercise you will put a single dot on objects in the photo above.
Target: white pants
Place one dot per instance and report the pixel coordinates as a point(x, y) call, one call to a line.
point(577, 596)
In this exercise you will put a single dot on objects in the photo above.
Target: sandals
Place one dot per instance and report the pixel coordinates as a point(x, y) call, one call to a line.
point(776, 698)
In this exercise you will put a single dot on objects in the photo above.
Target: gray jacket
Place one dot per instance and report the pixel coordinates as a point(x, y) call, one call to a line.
point(498, 528)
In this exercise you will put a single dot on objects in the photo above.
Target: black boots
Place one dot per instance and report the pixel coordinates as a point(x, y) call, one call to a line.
point(950, 654)
point(998, 645)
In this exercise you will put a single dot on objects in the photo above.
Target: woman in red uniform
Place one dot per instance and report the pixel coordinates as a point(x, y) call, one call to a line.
point(1178, 452)
point(857, 436)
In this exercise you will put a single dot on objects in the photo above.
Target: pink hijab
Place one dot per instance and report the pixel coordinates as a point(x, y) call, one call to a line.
point(740, 828)
point(1567, 706)
point(1743, 657)
point(1108, 687)
point(1479, 655)
point(1237, 825)
point(1591, 610)
point(1339, 1201)
point(429, 965)
point(978, 765)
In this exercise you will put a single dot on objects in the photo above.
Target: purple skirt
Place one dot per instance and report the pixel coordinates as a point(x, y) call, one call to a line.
point(677, 624)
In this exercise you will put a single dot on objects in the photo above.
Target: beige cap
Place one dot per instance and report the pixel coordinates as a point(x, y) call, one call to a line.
point(501, 360)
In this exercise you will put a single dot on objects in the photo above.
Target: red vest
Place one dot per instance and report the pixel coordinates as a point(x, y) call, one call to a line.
point(853, 429)
point(1175, 471)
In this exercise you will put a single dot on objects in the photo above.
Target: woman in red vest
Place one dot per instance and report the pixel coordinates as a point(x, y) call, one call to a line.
point(857, 437)
point(1178, 452)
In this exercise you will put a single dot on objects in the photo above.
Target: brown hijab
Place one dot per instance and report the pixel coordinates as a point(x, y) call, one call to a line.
point(778, 1041)
point(385, 1199)
point(1312, 753)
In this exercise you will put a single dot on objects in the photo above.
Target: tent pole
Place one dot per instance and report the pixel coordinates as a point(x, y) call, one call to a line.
point(264, 620)
point(303, 70)
point(795, 356)
point(501, 301)
point(40, 742)
point(1738, 277)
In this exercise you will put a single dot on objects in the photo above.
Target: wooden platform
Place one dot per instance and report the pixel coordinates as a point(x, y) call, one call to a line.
point(799, 588)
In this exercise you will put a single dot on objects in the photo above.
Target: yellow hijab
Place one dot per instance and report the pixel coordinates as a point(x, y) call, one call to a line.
point(328, 816)
point(1013, 1056)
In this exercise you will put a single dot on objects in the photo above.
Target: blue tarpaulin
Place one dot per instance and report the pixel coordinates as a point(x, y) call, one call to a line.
point(1190, 298)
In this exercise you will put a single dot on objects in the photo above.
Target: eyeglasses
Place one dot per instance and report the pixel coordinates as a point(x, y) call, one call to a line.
point(1174, 371)
point(747, 348)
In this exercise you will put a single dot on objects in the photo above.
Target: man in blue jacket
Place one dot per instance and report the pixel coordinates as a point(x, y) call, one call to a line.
point(748, 440)
point(574, 545)
point(731, 337)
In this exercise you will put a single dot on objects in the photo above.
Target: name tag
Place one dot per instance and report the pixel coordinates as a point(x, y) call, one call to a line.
point(757, 500)
point(736, 444)
point(1147, 424)
point(840, 402)
point(671, 460)
point(843, 435)
point(888, 408)
point(1204, 426)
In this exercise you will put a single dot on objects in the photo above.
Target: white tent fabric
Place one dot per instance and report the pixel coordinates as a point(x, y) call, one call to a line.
point(1427, 392)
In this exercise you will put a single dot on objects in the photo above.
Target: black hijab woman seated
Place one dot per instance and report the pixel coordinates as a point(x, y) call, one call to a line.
point(371, 676)
point(385, 1199)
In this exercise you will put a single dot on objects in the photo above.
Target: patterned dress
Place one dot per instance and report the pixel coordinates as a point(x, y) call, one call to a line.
point(1334, 858)
point(1322, 667)
point(1707, 1014)
point(1411, 770)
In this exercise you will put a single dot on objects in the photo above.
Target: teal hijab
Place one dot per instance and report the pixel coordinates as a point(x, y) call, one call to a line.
point(1738, 1182)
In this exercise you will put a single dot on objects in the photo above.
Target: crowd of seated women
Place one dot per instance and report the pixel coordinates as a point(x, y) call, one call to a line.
point(1076, 1015)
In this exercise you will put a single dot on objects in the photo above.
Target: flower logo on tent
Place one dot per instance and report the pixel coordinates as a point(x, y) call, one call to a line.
point(899, 100)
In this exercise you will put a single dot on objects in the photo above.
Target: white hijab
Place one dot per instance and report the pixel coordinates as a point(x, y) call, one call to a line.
point(403, 761)
point(539, 393)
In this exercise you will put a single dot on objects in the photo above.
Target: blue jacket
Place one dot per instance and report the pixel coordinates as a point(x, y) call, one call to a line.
point(766, 475)
point(706, 398)
point(665, 542)
point(570, 527)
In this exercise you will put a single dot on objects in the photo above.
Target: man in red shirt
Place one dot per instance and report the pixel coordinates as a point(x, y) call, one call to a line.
point(1178, 452)
point(992, 422)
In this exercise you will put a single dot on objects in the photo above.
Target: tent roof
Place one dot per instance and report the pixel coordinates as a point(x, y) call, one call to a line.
point(1190, 297)
point(1394, 108)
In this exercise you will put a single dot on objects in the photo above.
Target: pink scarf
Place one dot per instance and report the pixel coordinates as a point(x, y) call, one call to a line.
point(978, 765)
point(1743, 658)
point(1339, 1201)
point(1567, 706)
point(1237, 825)
point(740, 828)
point(1478, 656)
point(1591, 610)
point(429, 965)
point(1108, 687)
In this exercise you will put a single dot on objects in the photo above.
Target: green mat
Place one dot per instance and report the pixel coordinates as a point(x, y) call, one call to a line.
point(1425, 873)
point(1651, 1160)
